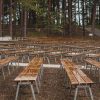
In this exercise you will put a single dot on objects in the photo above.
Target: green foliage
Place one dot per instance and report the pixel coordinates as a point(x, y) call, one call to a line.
point(33, 5)
point(28, 4)
point(98, 26)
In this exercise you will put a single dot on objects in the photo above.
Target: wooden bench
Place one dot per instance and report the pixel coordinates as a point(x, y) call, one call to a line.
point(95, 56)
point(77, 77)
point(21, 52)
point(93, 64)
point(7, 61)
point(32, 73)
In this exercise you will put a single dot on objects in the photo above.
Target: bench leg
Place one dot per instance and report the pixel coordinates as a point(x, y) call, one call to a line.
point(38, 79)
point(91, 95)
point(55, 59)
point(28, 58)
point(37, 86)
point(61, 57)
point(76, 92)
point(70, 89)
point(90, 69)
point(85, 87)
point(86, 91)
point(48, 60)
point(22, 59)
point(41, 71)
point(16, 98)
point(34, 98)
point(8, 69)
point(27, 83)
point(16, 65)
point(3, 73)
point(12, 66)
point(44, 58)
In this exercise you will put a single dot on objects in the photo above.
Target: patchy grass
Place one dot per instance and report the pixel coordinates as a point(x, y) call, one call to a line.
point(98, 26)
point(36, 34)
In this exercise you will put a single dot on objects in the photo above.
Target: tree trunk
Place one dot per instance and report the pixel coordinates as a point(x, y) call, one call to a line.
point(79, 11)
point(25, 22)
point(1, 17)
point(70, 16)
point(58, 10)
point(99, 14)
point(14, 22)
point(64, 14)
point(93, 17)
point(21, 20)
point(10, 19)
point(49, 17)
point(83, 18)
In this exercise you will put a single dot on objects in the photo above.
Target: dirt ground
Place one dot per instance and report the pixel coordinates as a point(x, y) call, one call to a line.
point(53, 87)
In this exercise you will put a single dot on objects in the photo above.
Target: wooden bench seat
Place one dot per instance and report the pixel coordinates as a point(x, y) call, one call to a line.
point(6, 61)
point(93, 64)
point(21, 52)
point(77, 77)
point(32, 73)
point(24, 78)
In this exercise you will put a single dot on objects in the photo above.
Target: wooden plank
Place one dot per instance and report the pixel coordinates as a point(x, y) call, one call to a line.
point(71, 76)
point(7, 60)
point(25, 78)
point(93, 62)
point(75, 75)
point(84, 76)
point(31, 70)
point(78, 77)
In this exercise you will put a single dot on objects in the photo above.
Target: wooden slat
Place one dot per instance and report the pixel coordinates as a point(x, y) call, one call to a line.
point(84, 76)
point(71, 77)
point(31, 70)
point(75, 75)
point(93, 62)
point(24, 78)
point(70, 74)
point(7, 60)
point(78, 77)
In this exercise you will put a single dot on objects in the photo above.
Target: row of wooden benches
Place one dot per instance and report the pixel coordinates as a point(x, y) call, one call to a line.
point(76, 76)
point(34, 71)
